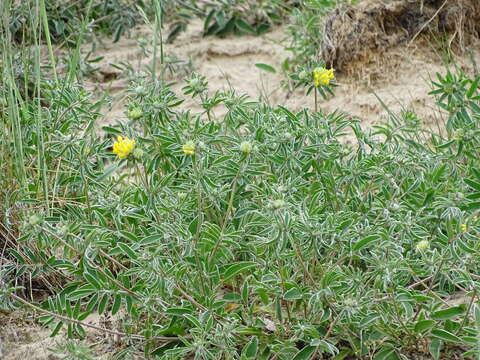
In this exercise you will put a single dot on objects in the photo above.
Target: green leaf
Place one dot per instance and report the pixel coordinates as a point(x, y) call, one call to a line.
point(474, 205)
point(151, 239)
point(127, 250)
point(243, 26)
point(449, 313)
point(103, 303)
point(476, 311)
point(438, 173)
point(385, 354)
point(81, 293)
point(92, 280)
point(445, 335)
point(266, 67)
point(365, 241)
point(367, 320)
point(435, 347)
point(57, 329)
point(305, 354)
point(250, 350)
point(111, 130)
point(245, 291)
point(473, 87)
point(293, 294)
point(116, 304)
point(473, 184)
point(110, 170)
point(262, 28)
point(179, 311)
point(237, 268)
point(208, 20)
point(424, 325)
point(193, 226)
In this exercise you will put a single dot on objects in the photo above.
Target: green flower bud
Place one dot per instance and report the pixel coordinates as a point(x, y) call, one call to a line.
point(277, 204)
point(303, 75)
point(34, 220)
point(246, 147)
point(63, 229)
point(140, 90)
point(135, 113)
point(423, 245)
point(138, 153)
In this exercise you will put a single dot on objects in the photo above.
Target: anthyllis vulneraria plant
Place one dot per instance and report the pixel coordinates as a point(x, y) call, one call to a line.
point(123, 147)
point(196, 85)
point(254, 235)
point(317, 78)
point(321, 77)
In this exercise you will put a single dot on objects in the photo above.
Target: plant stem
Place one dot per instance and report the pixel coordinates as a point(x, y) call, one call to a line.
point(156, 39)
point(43, 14)
point(41, 162)
point(227, 215)
point(81, 323)
point(199, 223)
point(75, 59)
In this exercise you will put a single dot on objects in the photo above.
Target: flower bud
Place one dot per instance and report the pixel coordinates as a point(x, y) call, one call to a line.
point(135, 113)
point(140, 91)
point(246, 147)
point(34, 220)
point(423, 245)
point(303, 75)
point(138, 153)
point(62, 229)
point(189, 148)
point(287, 136)
point(277, 204)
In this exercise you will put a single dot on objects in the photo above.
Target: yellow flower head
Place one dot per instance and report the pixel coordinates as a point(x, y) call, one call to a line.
point(188, 148)
point(123, 147)
point(423, 245)
point(464, 227)
point(322, 76)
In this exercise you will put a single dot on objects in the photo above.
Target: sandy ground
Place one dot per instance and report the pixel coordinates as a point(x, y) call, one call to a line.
point(399, 77)
point(21, 337)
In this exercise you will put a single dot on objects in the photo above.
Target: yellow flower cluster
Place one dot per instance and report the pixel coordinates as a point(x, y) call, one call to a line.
point(123, 147)
point(188, 148)
point(322, 76)
point(463, 227)
point(423, 245)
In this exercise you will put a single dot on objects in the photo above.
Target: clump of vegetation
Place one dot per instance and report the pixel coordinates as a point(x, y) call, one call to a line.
point(255, 235)
point(65, 18)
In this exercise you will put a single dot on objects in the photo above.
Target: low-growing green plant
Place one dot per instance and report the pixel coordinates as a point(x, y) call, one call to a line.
point(256, 235)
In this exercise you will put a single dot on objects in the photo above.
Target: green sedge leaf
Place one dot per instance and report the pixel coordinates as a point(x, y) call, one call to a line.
point(266, 67)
